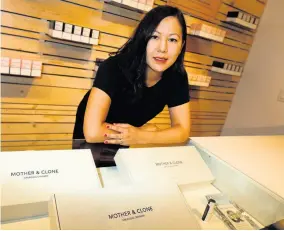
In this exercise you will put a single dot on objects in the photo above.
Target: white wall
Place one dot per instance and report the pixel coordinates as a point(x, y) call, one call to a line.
point(255, 109)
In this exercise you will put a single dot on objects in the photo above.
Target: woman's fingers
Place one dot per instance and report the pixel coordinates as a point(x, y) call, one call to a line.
point(116, 128)
point(122, 125)
point(115, 136)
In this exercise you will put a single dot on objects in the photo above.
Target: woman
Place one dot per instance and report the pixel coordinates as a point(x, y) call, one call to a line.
point(135, 84)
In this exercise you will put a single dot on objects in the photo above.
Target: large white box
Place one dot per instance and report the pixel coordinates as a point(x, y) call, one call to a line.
point(29, 178)
point(141, 207)
point(181, 165)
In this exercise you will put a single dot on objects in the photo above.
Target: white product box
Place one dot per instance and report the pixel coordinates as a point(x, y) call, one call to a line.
point(67, 31)
point(148, 8)
point(55, 33)
point(68, 28)
point(134, 4)
point(76, 38)
point(95, 34)
point(86, 32)
point(67, 36)
point(143, 207)
point(241, 22)
point(150, 2)
point(213, 33)
point(141, 6)
point(58, 26)
point(199, 80)
point(26, 67)
point(85, 39)
point(94, 41)
point(225, 71)
point(77, 30)
point(126, 2)
point(5, 65)
point(30, 177)
point(181, 165)
point(36, 68)
point(15, 66)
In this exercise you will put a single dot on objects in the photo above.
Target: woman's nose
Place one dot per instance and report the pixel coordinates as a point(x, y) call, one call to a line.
point(163, 46)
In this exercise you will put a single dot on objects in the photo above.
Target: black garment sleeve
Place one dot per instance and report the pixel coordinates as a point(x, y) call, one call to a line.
point(178, 91)
point(106, 77)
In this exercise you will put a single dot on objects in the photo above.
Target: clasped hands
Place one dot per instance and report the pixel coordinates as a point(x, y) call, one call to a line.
point(127, 134)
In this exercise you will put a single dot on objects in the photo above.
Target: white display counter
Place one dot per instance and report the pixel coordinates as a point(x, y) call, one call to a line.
point(246, 169)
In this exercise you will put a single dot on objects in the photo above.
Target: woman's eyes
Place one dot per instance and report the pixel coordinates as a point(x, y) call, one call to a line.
point(173, 40)
point(157, 37)
point(154, 37)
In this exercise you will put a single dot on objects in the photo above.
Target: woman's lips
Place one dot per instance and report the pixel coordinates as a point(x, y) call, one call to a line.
point(160, 60)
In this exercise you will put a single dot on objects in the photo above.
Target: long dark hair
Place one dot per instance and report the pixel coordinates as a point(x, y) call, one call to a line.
point(132, 54)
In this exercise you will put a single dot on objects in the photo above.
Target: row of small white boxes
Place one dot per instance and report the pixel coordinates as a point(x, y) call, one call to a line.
point(243, 19)
point(145, 5)
point(199, 80)
point(14, 66)
point(226, 68)
point(209, 32)
point(67, 31)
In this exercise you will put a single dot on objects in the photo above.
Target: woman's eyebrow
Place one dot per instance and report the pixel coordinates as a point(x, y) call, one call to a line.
point(170, 34)
point(175, 34)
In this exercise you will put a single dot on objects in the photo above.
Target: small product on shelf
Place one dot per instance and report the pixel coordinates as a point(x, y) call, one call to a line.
point(199, 80)
point(94, 37)
point(208, 32)
point(26, 67)
point(56, 29)
point(5, 65)
point(226, 68)
point(36, 68)
point(15, 68)
point(144, 5)
point(73, 33)
point(67, 31)
point(85, 38)
point(76, 34)
point(242, 19)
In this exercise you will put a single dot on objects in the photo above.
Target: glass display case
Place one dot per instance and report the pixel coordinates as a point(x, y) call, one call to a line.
point(241, 201)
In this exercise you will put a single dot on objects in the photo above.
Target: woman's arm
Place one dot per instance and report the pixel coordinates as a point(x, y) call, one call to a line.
point(95, 116)
point(178, 133)
point(150, 127)
point(179, 130)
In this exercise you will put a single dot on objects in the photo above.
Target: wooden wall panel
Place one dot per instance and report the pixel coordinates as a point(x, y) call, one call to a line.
point(39, 113)
point(253, 7)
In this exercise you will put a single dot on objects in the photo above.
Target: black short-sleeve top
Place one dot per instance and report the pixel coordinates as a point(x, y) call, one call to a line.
point(170, 90)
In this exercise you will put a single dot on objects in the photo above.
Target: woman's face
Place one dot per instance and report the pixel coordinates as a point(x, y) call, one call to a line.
point(165, 45)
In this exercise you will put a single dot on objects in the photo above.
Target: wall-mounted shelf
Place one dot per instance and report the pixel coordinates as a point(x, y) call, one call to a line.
point(207, 32)
point(199, 80)
point(73, 33)
point(24, 67)
point(140, 5)
point(226, 68)
point(241, 19)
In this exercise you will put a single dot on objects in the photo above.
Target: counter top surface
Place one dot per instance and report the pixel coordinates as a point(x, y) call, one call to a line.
point(259, 157)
